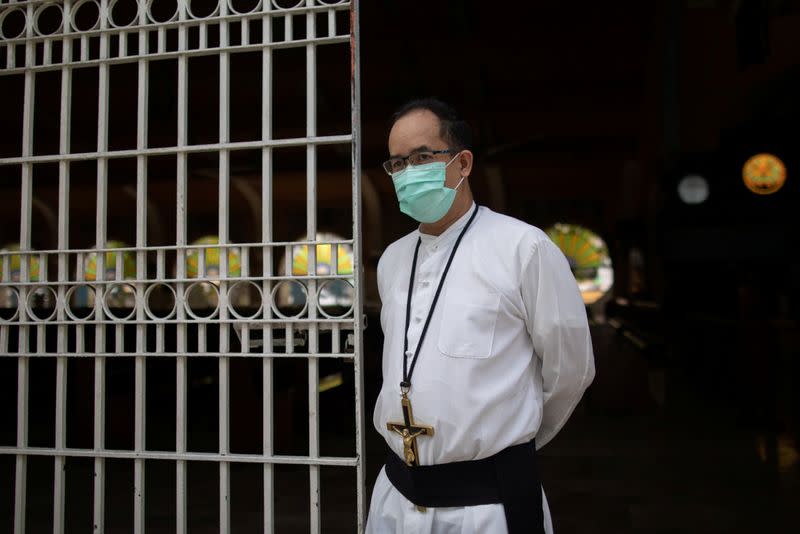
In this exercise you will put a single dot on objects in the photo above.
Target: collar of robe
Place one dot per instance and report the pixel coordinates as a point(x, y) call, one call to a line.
point(405, 385)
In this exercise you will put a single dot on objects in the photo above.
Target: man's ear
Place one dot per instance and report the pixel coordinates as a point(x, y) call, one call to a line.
point(465, 160)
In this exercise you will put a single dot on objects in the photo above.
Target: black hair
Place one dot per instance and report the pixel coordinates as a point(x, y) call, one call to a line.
point(455, 131)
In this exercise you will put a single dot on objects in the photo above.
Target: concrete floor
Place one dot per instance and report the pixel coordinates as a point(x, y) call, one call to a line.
point(691, 468)
point(603, 475)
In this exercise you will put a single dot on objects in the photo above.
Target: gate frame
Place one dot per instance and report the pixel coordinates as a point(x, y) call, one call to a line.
point(142, 28)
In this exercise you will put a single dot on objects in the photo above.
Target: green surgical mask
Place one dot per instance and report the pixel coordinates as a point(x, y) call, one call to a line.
point(422, 193)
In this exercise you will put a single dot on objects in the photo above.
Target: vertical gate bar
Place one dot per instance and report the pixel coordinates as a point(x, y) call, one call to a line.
point(180, 310)
point(123, 44)
point(245, 32)
point(288, 31)
point(162, 39)
point(289, 333)
point(266, 261)
point(140, 409)
point(140, 424)
point(336, 338)
point(335, 327)
point(180, 361)
point(201, 337)
point(244, 253)
point(40, 330)
point(224, 328)
point(160, 270)
point(84, 47)
point(119, 338)
point(80, 275)
point(311, 231)
point(5, 326)
point(100, 331)
point(63, 276)
point(21, 467)
point(119, 273)
point(22, 442)
point(358, 272)
point(288, 326)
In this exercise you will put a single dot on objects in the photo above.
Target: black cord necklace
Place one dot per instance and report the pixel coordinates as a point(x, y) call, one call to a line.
point(405, 385)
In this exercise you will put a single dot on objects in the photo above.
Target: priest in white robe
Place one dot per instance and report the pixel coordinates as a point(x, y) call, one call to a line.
point(486, 336)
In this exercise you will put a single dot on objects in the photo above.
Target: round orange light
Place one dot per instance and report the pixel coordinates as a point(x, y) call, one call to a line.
point(764, 174)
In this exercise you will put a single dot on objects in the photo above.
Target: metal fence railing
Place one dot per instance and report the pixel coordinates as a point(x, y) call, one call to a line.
point(144, 301)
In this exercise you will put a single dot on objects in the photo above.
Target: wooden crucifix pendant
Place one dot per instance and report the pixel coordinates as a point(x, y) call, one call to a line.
point(409, 431)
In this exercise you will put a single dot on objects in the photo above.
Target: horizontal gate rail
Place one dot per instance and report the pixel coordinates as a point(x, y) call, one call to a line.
point(188, 149)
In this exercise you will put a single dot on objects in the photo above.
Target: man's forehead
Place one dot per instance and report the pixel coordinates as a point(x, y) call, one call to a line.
point(413, 131)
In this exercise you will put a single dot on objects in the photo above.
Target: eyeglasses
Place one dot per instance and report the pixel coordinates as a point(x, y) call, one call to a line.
point(393, 166)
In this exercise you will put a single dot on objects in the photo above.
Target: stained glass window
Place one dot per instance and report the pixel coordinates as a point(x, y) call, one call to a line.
point(588, 258)
point(764, 174)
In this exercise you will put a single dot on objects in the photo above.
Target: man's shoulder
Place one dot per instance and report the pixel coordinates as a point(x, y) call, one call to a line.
point(400, 247)
point(512, 229)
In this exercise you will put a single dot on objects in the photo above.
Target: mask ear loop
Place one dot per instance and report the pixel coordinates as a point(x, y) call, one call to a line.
point(448, 164)
point(454, 158)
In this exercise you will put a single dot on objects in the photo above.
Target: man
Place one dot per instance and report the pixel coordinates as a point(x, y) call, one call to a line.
point(486, 338)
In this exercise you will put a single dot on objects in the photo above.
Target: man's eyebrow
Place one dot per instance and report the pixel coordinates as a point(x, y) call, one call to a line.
point(423, 148)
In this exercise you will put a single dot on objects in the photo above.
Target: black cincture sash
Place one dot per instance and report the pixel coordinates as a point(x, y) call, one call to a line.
point(510, 478)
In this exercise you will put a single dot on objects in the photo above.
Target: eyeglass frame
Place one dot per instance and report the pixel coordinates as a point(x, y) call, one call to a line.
point(406, 158)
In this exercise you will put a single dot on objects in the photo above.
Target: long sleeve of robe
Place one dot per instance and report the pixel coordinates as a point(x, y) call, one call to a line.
point(560, 335)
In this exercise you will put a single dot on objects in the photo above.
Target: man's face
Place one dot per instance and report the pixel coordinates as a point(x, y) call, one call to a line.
point(418, 131)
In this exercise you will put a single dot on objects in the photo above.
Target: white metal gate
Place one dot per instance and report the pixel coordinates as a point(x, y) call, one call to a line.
point(41, 304)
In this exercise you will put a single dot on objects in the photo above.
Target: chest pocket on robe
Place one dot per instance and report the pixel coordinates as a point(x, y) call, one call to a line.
point(468, 324)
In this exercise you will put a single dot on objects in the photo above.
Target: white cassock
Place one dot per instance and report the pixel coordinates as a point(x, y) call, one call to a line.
point(506, 358)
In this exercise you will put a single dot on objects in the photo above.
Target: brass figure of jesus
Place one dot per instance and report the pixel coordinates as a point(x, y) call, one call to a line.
point(409, 431)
